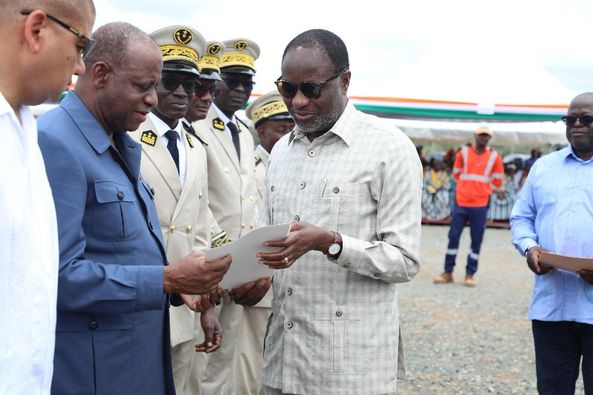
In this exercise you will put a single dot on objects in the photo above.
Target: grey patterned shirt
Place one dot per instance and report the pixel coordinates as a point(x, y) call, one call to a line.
point(334, 324)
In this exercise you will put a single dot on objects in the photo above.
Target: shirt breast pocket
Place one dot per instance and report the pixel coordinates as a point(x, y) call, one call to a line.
point(339, 206)
point(115, 216)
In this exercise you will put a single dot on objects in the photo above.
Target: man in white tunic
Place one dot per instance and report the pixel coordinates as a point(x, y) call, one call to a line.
point(351, 184)
point(39, 54)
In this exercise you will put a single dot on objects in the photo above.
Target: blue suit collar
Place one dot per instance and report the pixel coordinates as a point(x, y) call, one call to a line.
point(97, 137)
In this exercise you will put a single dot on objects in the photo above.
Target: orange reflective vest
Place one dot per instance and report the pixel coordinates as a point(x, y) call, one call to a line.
point(476, 175)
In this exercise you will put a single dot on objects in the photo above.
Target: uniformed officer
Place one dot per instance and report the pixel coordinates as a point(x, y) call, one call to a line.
point(233, 201)
point(197, 109)
point(272, 121)
point(174, 164)
point(209, 64)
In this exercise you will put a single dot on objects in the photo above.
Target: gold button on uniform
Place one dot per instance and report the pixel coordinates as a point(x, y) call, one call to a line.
point(188, 229)
point(171, 228)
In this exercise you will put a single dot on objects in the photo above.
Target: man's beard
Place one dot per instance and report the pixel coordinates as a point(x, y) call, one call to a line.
point(320, 124)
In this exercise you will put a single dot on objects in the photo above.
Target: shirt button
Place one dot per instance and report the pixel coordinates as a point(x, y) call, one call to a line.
point(339, 313)
point(272, 188)
point(150, 225)
point(120, 195)
point(243, 226)
point(188, 229)
point(346, 265)
point(289, 324)
point(311, 153)
point(93, 324)
point(336, 190)
point(251, 226)
point(200, 195)
point(171, 228)
point(296, 218)
point(226, 169)
point(376, 275)
point(302, 185)
point(289, 290)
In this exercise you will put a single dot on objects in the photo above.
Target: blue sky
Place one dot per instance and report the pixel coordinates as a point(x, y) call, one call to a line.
point(505, 51)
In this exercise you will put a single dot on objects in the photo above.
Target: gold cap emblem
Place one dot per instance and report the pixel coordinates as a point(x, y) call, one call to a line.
point(183, 36)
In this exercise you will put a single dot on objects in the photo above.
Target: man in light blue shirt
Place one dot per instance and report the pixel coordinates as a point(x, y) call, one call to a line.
point(554, 213)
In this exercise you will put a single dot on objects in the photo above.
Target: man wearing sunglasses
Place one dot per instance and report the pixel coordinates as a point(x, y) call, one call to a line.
point(174, 164)
point(351, 184)
point(41, 48)
point(236, 367)
point(554, 213)
point(209, 73)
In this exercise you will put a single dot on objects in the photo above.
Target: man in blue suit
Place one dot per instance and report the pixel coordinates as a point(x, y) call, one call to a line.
point(112, 334)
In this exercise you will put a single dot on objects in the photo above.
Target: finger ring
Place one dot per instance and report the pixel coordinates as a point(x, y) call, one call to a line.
point(286, 260)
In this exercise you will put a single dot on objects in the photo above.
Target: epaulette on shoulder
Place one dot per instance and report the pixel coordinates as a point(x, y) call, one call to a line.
point(190, 129)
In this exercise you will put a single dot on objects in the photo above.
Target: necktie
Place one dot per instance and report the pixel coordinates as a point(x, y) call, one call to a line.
point(172, 147)
point(235, 134)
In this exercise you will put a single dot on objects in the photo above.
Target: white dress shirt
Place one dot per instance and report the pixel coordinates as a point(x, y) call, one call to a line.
point(29, 259)
point(163, 128)
point(334, 325)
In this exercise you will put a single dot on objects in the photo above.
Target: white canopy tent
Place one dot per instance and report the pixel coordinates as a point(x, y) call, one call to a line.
point(509, 134)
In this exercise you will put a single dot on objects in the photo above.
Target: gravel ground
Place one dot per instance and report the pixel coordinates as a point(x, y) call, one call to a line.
point(460, 340)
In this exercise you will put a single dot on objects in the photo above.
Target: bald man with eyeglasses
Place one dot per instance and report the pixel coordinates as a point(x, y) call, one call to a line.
point(553, 214)
point(41, 48)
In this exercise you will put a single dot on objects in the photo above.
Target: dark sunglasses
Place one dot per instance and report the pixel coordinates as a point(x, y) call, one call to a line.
point(310, 89)
point(172, 83)
point(584, 120)
point(88, 42)
point(203, 87)
point(233, 83)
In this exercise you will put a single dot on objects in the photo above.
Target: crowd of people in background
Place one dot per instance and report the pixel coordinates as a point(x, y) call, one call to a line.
point(438, 191)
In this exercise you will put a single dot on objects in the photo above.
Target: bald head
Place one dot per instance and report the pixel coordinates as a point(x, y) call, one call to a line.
point(9, 9)
point(112, 44)
point(586, 97)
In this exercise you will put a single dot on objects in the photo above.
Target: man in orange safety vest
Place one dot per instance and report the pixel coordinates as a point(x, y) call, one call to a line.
point(477, 170)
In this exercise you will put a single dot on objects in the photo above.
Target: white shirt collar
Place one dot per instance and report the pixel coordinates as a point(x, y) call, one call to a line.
point(162, 128)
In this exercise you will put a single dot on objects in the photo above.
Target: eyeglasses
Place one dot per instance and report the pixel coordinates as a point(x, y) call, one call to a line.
point(233, 83)
point(172, 83)
point(310, 89)
point(584, 120)
point(205, 86)
point(89, 42)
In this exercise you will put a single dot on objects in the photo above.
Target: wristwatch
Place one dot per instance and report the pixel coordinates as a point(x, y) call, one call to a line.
point(335, 248)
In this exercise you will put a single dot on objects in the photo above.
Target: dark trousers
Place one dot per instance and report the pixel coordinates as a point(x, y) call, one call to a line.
point(559, 346)
point(477, 225)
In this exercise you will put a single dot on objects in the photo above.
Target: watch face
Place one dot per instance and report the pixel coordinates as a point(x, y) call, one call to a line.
point(334, 249)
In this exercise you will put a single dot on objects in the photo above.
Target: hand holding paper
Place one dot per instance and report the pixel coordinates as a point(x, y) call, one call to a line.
point(246, 266)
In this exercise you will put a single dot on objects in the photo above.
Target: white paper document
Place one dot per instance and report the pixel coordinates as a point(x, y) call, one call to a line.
point(246, 266)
